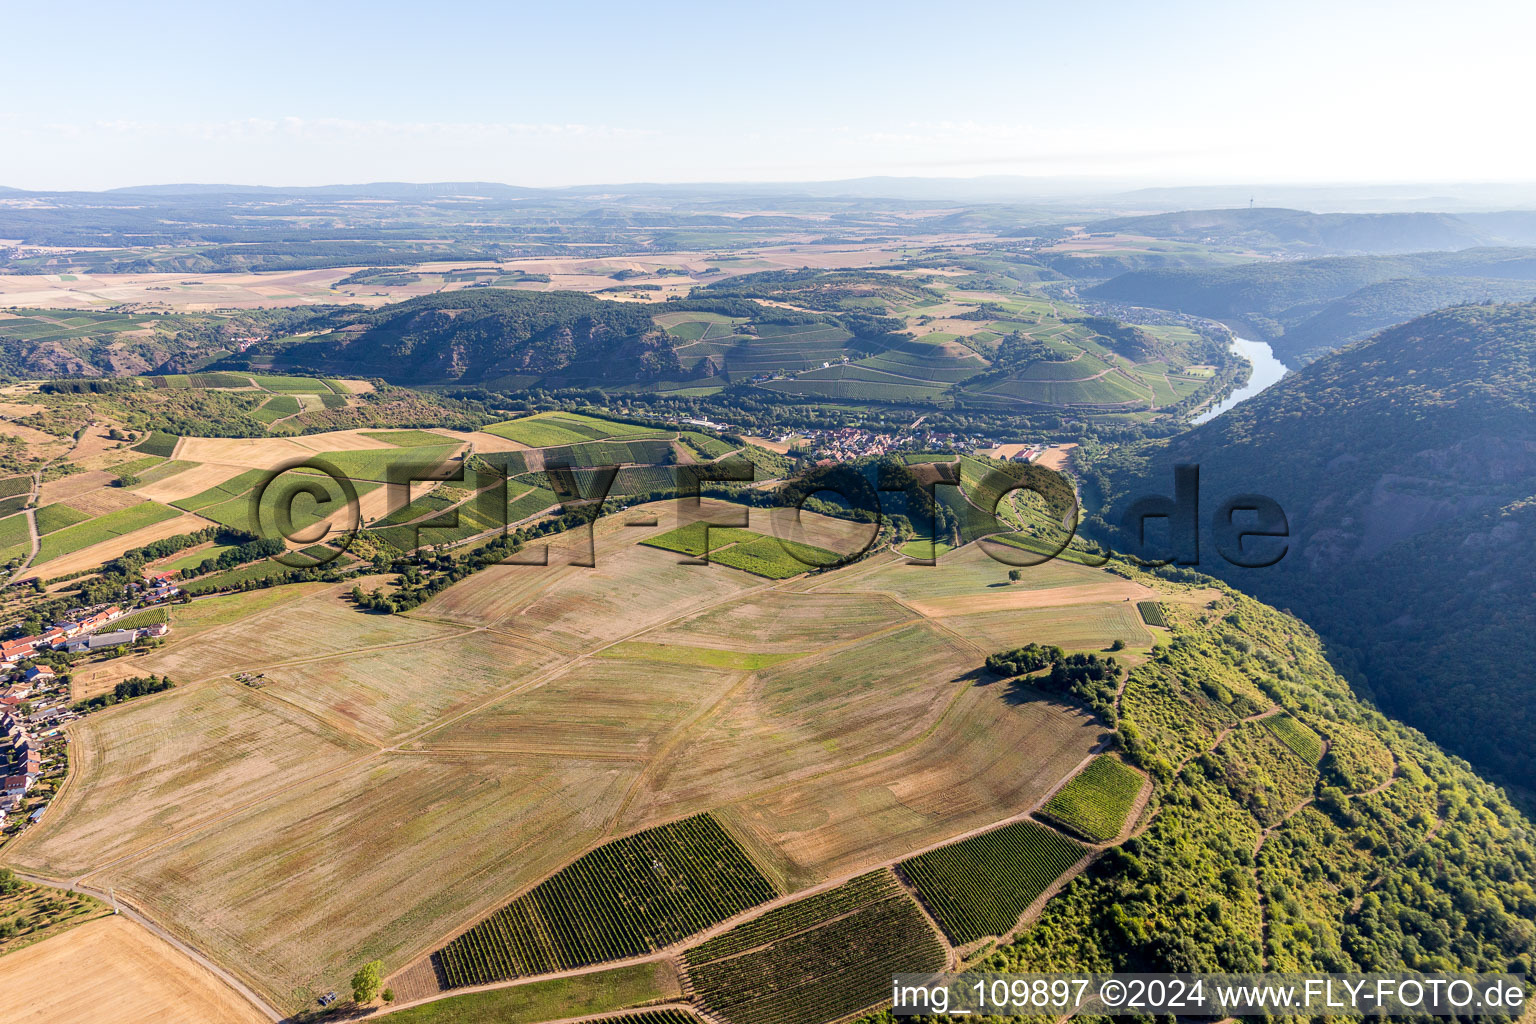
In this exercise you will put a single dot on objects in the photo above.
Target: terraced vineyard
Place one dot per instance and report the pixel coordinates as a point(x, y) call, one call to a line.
point(1152, 613)
point(773, 558)
point(981, 885)
point(655, 1017)
point(1301, 741)
point(784, 921)
point(746, 550)
point(691, 539)
point(626, 898)
point(158, 443)
point(824, 972)
point(561, 428)
point(93, 531)
point(1095, 803)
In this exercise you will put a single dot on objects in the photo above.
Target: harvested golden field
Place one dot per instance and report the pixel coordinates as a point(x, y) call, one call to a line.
point(835, 535)
point(576, 609)
point(357, 440)
point(984, 761)
point(193, 481)
point(385, 694)
point(187, 621)
point(1108, 589)
point(102, 500)
point(144, 770)
point(169, 290)
point(378, 860)
point(73, 486)
point(966, 572)
point(805, 717)
point(776, 621)
point(243, 452)
point(600, 708)
point(319, 623)
point(32, 436)
point(113, 971)
point(1088, 627)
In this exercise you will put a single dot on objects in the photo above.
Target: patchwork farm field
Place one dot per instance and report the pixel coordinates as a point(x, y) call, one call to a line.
point(439, 765)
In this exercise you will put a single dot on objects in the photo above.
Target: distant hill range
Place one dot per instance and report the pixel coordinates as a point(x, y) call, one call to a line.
point(1305, 308)
point(1333, 232)
point(1407, 468)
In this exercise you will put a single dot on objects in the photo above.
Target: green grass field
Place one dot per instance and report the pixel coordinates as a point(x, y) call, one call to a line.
point(197, 558)
point(706, 448)
point(773, 558)
point(747, 550)
point(276, 408)
point(690, 539)
point(163, 470)
point(374, 464)
point(1095, 803)
point(293, 385)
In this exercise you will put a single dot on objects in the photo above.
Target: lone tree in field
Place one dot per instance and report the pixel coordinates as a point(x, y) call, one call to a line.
point(365, 983)
point(1015, 575)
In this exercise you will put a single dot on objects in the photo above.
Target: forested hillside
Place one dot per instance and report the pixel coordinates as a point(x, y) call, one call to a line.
point(1307, 307)
point(1407, 468)
point(481, 336)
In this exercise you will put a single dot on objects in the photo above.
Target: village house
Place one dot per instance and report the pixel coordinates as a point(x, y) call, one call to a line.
point(15, 650)
point(16, 786)
point(40, 674)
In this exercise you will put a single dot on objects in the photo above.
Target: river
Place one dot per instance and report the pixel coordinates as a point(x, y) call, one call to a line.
point(1267, 370)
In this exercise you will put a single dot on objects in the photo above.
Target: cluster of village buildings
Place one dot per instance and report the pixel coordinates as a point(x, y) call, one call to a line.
point(79, 635)
point(35, 698)
point(847, 443)
point(22, 751)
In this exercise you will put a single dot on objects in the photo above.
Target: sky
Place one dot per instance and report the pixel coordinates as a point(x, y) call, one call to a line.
point(100, 95)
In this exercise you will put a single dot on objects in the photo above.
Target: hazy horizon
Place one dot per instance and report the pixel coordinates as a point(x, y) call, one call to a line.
point(1193, 94)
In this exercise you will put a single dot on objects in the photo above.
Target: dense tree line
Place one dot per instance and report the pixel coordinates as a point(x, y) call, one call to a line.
point(1087, 677)
point(137, 686)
